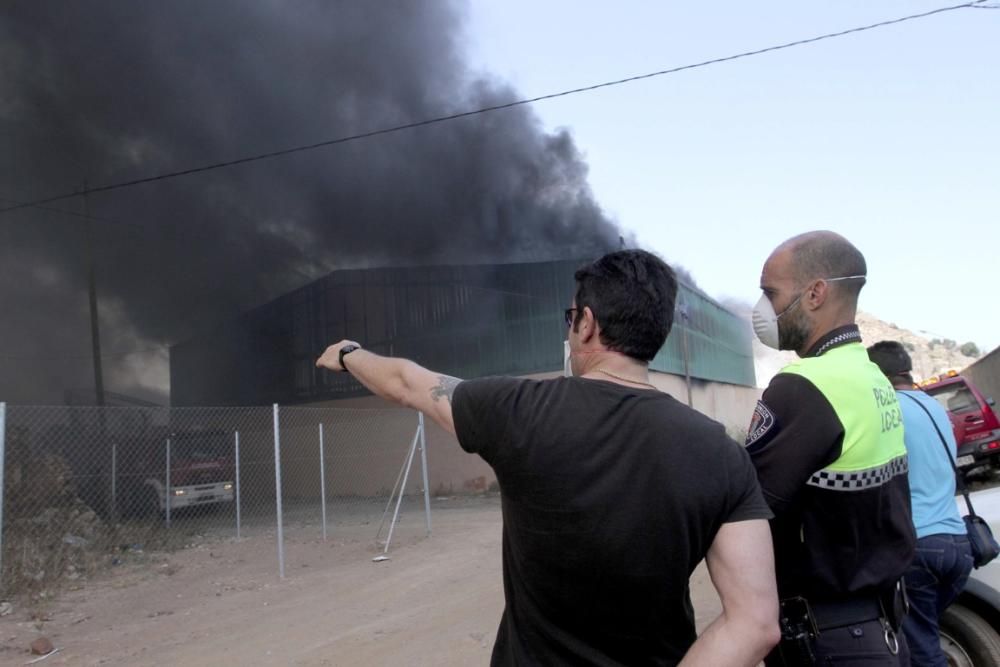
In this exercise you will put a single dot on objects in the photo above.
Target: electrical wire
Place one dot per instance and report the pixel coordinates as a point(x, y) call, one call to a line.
point(487, 109)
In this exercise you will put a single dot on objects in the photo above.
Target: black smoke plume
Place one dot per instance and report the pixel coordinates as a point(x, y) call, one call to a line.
point(93, 93)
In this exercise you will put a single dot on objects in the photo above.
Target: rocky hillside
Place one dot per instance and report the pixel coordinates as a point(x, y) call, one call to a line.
point(930, 356)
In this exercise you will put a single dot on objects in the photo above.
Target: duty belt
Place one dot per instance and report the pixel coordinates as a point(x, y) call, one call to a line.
point(802, 621)
point(837, 614)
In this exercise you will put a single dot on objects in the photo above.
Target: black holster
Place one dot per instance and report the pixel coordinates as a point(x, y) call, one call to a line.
point(798, 631)
point(895, 605)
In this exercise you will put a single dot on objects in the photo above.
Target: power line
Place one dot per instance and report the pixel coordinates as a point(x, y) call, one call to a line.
point(161, 347)
point(168, 234)
point(74, 214)
point(488, 109)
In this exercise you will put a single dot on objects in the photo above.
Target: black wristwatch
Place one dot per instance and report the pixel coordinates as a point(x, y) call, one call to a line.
point(344, 351)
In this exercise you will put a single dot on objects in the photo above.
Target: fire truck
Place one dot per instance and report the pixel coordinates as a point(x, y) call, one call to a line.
point(180, 470)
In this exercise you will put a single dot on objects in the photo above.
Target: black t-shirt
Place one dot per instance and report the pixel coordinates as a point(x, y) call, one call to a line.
point(611, 496)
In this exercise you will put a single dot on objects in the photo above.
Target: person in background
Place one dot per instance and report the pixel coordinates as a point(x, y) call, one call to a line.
point(944, 558)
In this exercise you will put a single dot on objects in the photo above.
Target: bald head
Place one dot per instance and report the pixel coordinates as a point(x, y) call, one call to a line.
point(826, 255)
point(812, 282)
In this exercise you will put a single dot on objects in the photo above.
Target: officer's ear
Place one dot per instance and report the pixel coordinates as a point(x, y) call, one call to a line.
point(816, 294)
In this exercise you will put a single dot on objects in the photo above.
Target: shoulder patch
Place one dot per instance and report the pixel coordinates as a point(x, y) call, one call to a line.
point(760, 424)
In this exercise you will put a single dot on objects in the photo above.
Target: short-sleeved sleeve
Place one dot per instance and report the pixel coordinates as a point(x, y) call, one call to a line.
point(483, 410)
point(745, 498)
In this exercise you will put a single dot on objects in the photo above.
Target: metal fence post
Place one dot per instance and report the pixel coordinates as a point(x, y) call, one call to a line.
point(277, 494)
point(3, 458)
point(423, 464)
point(322, 478)
point(114, 480)
point(237, 434)
point(169, 492)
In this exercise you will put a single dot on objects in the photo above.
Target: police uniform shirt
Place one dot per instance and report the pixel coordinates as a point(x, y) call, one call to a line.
point(826, 440)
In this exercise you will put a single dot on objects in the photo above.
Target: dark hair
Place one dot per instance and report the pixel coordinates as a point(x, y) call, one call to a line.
point(891, 357)
point(632, 295)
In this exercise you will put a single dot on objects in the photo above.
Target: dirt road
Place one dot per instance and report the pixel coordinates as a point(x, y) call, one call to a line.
point(436, 602)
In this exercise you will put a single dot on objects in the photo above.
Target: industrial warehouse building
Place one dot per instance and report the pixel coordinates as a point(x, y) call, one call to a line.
point(467, 321)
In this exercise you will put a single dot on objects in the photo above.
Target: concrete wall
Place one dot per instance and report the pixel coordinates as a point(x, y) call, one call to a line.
point(985, 374)
point(730, 404)
point(364, 448)
point(366, 441)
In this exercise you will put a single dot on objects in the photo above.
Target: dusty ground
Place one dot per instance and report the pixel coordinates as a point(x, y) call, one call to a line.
point(436, 602)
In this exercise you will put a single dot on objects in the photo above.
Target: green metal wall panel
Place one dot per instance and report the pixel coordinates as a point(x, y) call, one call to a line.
point(467, 321)
point(718, 342)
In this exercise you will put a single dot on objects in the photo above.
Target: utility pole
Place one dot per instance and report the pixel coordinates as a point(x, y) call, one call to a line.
point(682, 310)
point(95, 329)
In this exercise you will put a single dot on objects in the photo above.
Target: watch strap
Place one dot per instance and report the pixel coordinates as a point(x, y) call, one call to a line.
point(344, 351)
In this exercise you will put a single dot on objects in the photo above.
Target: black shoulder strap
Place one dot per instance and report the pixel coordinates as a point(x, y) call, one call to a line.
point(944, 443)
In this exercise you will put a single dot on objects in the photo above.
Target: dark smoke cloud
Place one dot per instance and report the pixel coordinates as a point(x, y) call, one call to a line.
point(108, 91)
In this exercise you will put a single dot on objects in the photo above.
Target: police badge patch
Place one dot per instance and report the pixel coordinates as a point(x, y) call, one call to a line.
point(760, 425)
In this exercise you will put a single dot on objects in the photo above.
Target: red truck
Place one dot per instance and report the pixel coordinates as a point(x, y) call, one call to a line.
point(201, 472)
point(977, 430)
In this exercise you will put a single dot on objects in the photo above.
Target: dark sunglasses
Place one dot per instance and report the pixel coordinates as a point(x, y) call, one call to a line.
point(568, 314)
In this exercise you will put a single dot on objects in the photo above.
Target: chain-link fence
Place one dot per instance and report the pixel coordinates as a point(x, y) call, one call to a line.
point(83, 487)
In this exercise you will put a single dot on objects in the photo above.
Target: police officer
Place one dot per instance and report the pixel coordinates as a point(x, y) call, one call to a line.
point(827, 442)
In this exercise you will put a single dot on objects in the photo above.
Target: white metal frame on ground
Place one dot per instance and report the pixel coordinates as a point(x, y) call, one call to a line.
point(419, 438)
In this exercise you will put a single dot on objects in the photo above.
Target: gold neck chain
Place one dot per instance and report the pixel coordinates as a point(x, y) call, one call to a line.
point(624, 379)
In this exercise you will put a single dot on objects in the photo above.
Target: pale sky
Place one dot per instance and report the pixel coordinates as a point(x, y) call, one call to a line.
point(889, 137)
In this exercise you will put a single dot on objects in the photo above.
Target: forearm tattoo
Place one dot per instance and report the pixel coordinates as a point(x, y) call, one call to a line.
point(445, 388)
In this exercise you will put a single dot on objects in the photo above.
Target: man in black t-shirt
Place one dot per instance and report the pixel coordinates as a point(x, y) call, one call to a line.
point(612, 491)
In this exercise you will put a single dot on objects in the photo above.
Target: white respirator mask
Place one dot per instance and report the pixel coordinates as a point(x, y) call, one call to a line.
point(765, 320)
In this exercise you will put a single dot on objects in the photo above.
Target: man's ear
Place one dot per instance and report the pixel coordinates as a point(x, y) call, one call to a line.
point(816, 294)
point(588, 325)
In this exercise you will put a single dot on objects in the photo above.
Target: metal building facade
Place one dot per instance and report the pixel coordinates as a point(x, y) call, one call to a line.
point(466, 321)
